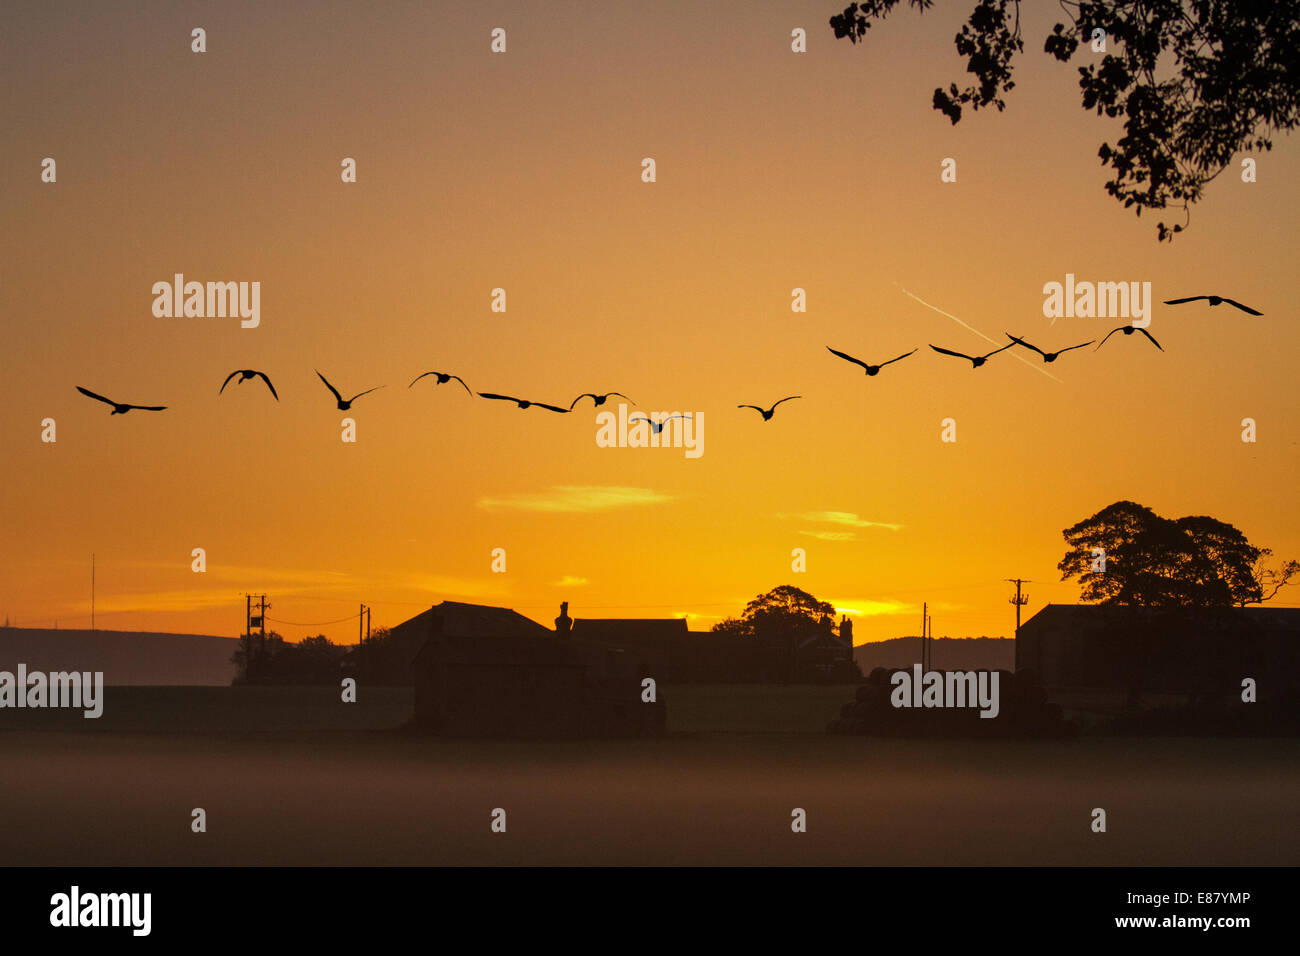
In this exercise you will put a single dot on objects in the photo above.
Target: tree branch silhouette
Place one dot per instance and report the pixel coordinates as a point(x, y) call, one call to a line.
point(1197, 81)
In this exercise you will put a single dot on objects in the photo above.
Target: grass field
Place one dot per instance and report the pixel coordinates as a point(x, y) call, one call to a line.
point(692, 708)
point(288, 777)
point(224, 710)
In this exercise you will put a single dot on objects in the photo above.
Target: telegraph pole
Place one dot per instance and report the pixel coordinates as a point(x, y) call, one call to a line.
point(363, 625)
point(1020, 600)
point(261, 621)
point(252, 620)
point(248, 636)
point(929, 638)
point(925, 650)
point(92, 592)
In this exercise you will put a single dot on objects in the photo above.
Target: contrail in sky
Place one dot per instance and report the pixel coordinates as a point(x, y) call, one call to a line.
point(1036, 368)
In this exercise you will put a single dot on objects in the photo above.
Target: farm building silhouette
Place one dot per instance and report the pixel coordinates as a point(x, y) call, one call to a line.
point(490, 672)
point(1177, 650)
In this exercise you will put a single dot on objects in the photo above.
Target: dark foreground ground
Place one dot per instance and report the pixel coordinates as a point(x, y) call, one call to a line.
point(297, 780)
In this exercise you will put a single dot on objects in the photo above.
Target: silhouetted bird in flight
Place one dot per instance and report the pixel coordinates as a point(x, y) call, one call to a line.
point(870, 369)
point(975, 360)
point(523, 402)
point(345, 405)
point(443, 379)
point(244, 375)
point(119, 408)
point(767, 413)
point(1129, 330)
point(1048, 356)
point(1213, 300)
point(599, 399)
point(657, 427)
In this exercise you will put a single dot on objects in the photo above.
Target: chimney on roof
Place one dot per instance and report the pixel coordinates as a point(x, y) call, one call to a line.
point(563, 623)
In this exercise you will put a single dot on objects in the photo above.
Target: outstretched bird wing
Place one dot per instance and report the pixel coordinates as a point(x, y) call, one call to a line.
point(552, 408)
point(227, 381)
point(1076, 346)
point(1190, 298)
point(421, 375)
point(581, 397)
point(620, 395)
point(101, 398)
point(786, 399)
point(337, 396)
point(968, 358)
point(1244, 308)
point(463, 385)
point(846, 356)
point(754, 407)
point(268, 385)
point(1109, 334)
point(366, 392)
point(1003, 349)
point(1148, 335)
point(499, 398)
point(148, 408)
point(893, 360)
point(1019, 341)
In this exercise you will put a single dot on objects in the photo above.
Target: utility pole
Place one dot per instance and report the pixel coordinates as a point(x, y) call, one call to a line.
point(925, 656)
point(248, 635)
point(363, 639)
point(261, 620)
point(929, 639)
point(92, 592)
point(252, 620)
point(1020, 600)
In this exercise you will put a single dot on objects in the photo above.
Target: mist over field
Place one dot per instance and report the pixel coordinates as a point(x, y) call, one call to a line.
point(351, 789)
point(723, 799)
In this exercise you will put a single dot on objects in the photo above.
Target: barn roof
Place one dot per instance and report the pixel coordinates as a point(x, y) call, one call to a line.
point(454, 619)
point(1089, 616)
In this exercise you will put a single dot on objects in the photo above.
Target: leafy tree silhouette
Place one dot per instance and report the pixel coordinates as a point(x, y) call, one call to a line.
point(313, 660)
point(780, 620)
point(1150, 561)
point(1196, 81)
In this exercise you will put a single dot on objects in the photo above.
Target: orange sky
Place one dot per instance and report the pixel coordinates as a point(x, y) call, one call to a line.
point(522, 171)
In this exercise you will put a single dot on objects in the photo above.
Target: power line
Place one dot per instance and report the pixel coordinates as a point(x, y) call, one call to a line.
point(313, 623)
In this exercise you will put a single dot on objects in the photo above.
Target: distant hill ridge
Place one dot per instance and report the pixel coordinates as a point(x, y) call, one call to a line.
point(125, 657)
point(946, 653)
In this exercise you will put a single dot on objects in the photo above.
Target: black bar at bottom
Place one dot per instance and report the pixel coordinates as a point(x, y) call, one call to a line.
point(493, 906)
